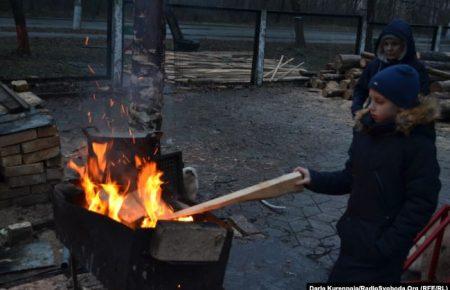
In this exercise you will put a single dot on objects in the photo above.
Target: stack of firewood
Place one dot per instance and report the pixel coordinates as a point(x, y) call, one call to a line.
point(437, 64)
point(339, 77)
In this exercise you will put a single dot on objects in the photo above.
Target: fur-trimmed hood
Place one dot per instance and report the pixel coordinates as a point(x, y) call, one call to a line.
point(418, 120)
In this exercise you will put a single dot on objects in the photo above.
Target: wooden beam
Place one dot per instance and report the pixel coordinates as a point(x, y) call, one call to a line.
point(267, 189)
point(259, 51)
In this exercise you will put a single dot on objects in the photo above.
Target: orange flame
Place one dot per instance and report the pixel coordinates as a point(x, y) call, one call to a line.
point(106, 197)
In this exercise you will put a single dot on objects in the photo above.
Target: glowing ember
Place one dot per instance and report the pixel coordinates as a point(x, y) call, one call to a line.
point(106, 197)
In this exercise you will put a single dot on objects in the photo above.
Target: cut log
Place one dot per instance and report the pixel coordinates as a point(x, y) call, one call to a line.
point(364, 62)
point(443, 86)
point(353, 83)
point(434, 56)
point(345, 62)
point(306, 73)
point(439, 73)
point(317, 83)
point(268, 189)
point(444, 110)
point(441, 96)
point(368, 55)
point(332, 90)
point(330, 66)
point(348, 95)
point(353, 73)
point(327, 71)
point(437, 64)
point(332, 77)
point(345, 84)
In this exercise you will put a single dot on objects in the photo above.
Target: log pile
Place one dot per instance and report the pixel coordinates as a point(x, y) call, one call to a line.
point(339, 77)
point(227, 67)
point(30, 154)
point(436, 63)
point(444, 104)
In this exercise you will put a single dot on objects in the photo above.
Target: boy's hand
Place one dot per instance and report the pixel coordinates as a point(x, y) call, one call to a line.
point(306, 176)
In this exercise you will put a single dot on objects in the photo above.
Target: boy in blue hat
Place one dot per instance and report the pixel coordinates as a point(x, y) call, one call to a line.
point(394, 46)
point(392, 175)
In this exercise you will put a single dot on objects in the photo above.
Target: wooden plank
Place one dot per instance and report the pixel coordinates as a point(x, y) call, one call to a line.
point(265, 190)
point(277, 68)
point(23, 105)
point(9, 103)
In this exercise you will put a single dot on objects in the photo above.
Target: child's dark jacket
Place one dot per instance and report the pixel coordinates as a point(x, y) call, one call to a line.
point(392, 176)
point(402, 30)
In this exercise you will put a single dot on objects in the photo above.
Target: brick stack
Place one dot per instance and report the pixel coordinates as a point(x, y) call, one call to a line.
point(30, 160)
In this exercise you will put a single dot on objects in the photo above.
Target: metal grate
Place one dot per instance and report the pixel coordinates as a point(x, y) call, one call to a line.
point(172, 166)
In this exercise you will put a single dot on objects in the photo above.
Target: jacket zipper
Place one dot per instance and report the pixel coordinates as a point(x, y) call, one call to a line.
point(387, 216)
point(380, 187)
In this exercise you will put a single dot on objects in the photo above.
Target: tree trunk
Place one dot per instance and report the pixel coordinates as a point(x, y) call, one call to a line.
point(295, 5)
point(406, 9)
point(147, 78)
point(371, 4)
point(23, 46)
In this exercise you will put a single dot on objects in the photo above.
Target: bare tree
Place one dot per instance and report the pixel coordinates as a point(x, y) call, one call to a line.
point(370, 7)
point(23, 46)
point(147, 65)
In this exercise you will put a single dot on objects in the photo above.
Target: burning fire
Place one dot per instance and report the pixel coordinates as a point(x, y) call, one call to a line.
point(114, 200)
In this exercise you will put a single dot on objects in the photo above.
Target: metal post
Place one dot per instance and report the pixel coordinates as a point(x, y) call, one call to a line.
point(437, 38)
point(77, 10)
point(117, 43)
point(259, 48)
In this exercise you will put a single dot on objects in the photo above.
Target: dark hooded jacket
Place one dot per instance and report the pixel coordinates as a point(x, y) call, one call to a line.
point(402, 30)
point(392, 175)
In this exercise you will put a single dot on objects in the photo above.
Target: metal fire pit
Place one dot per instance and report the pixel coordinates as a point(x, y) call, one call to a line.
point(174, 255)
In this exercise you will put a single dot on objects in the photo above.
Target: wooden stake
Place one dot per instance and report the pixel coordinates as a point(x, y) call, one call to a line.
point(276, 68)
point(290, 71)
point(281, 66)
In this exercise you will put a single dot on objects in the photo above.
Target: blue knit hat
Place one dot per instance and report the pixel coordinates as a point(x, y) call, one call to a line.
point(398, 83)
